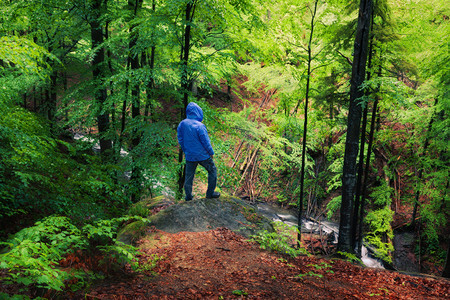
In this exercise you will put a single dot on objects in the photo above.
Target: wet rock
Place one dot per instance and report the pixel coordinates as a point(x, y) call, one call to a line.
point(203, 215)
point(404, 256)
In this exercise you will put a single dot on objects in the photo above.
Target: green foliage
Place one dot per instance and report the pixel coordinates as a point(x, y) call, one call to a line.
point(311, 274)
point(333, 206)
point(239, 293)
point(350, 257)
point(22, 54)
point(150, 263)
point(275, 154)
point(39, 173)
point(29, 263)
point(380, 233)
point(323, 267)
point(33, 254)
point(280, 240)
point(17, 297)
point(139, 209)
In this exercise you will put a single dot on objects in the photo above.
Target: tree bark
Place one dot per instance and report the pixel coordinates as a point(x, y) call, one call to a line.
point(357, 217)
point(185, 81)
point(305, 126)
point(446, 272)
point(353, 125)
point(100, 93)
point(151, 84)
point(135, 106)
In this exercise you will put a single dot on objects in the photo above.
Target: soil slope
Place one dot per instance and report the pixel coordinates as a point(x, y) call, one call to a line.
point(221, 264)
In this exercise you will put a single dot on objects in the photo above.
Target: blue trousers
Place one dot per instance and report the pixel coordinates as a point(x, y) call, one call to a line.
point(191, 166)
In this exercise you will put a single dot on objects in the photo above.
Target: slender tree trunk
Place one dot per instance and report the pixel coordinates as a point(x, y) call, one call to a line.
point(305, 126)
point(357, 218)
point(151, 84)
point(185, 81)
point(100, 94)
point(135, 106)
point(52, 106)
point(446, 272)
point(367, 167)
point(353, 125)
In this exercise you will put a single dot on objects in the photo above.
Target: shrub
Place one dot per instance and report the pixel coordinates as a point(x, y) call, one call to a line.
point(280, 240)
point(33, 254)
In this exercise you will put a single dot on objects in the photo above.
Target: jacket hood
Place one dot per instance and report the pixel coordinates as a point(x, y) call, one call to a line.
point(193, 111)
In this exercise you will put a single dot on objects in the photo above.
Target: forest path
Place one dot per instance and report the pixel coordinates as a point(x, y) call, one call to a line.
point(221, 264)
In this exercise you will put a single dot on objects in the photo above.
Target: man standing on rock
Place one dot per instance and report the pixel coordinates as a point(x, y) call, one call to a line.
point(194, 141)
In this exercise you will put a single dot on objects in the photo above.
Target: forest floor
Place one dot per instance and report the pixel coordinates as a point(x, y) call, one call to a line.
point(220, 264)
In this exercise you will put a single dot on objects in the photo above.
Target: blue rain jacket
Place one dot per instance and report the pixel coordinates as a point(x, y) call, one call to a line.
point(193, 136)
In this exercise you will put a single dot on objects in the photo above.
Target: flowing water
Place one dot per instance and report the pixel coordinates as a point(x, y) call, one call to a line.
point(327, 228)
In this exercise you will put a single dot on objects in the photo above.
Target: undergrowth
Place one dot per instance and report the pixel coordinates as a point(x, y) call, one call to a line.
point(45, 257)
point(281, 240)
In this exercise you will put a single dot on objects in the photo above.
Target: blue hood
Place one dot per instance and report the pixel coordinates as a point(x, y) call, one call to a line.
point(195, 112)
point(193, 136)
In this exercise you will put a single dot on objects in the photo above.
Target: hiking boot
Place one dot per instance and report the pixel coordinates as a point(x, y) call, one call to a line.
point(214, 195)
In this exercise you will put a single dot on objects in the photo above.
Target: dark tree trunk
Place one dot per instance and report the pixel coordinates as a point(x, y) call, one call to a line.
point(305, 126)
point(185, 81)
point(446, 272)
point(367, 165)
point(357, 217)
point(353, 125)
point(151, 84)
point(135, 106)
point(366, 172)
point(100, 94)
point(51, 105)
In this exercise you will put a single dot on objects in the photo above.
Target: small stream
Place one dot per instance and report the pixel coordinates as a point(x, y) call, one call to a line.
point(327, 228)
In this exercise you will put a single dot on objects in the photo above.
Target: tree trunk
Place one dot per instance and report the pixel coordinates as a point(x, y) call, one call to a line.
point(100, 93)
point(353, 125)
point(367, 166)
point(357, 217)
point(185, 81)
point(151, 84)
point(135, 107)
point(305, 127)
point(51, 106)
point(446, 272)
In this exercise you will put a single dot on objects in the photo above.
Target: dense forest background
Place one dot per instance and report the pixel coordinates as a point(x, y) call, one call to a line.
point(300, 112)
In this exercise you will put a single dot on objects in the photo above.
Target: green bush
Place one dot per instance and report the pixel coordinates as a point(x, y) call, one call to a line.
point(41, 175)
point(280, 240)
point(32, 255)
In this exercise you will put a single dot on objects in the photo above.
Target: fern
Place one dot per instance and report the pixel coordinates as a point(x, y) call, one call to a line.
point(33, 254)
point(280, 240)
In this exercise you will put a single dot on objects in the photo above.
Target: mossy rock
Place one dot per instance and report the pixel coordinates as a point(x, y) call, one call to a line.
point(198, 215)
point(132, 232)
point(143, 207)
point(206, 214)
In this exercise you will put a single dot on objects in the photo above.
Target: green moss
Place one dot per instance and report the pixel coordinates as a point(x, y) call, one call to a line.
point(139, 209)
point(132, 232)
